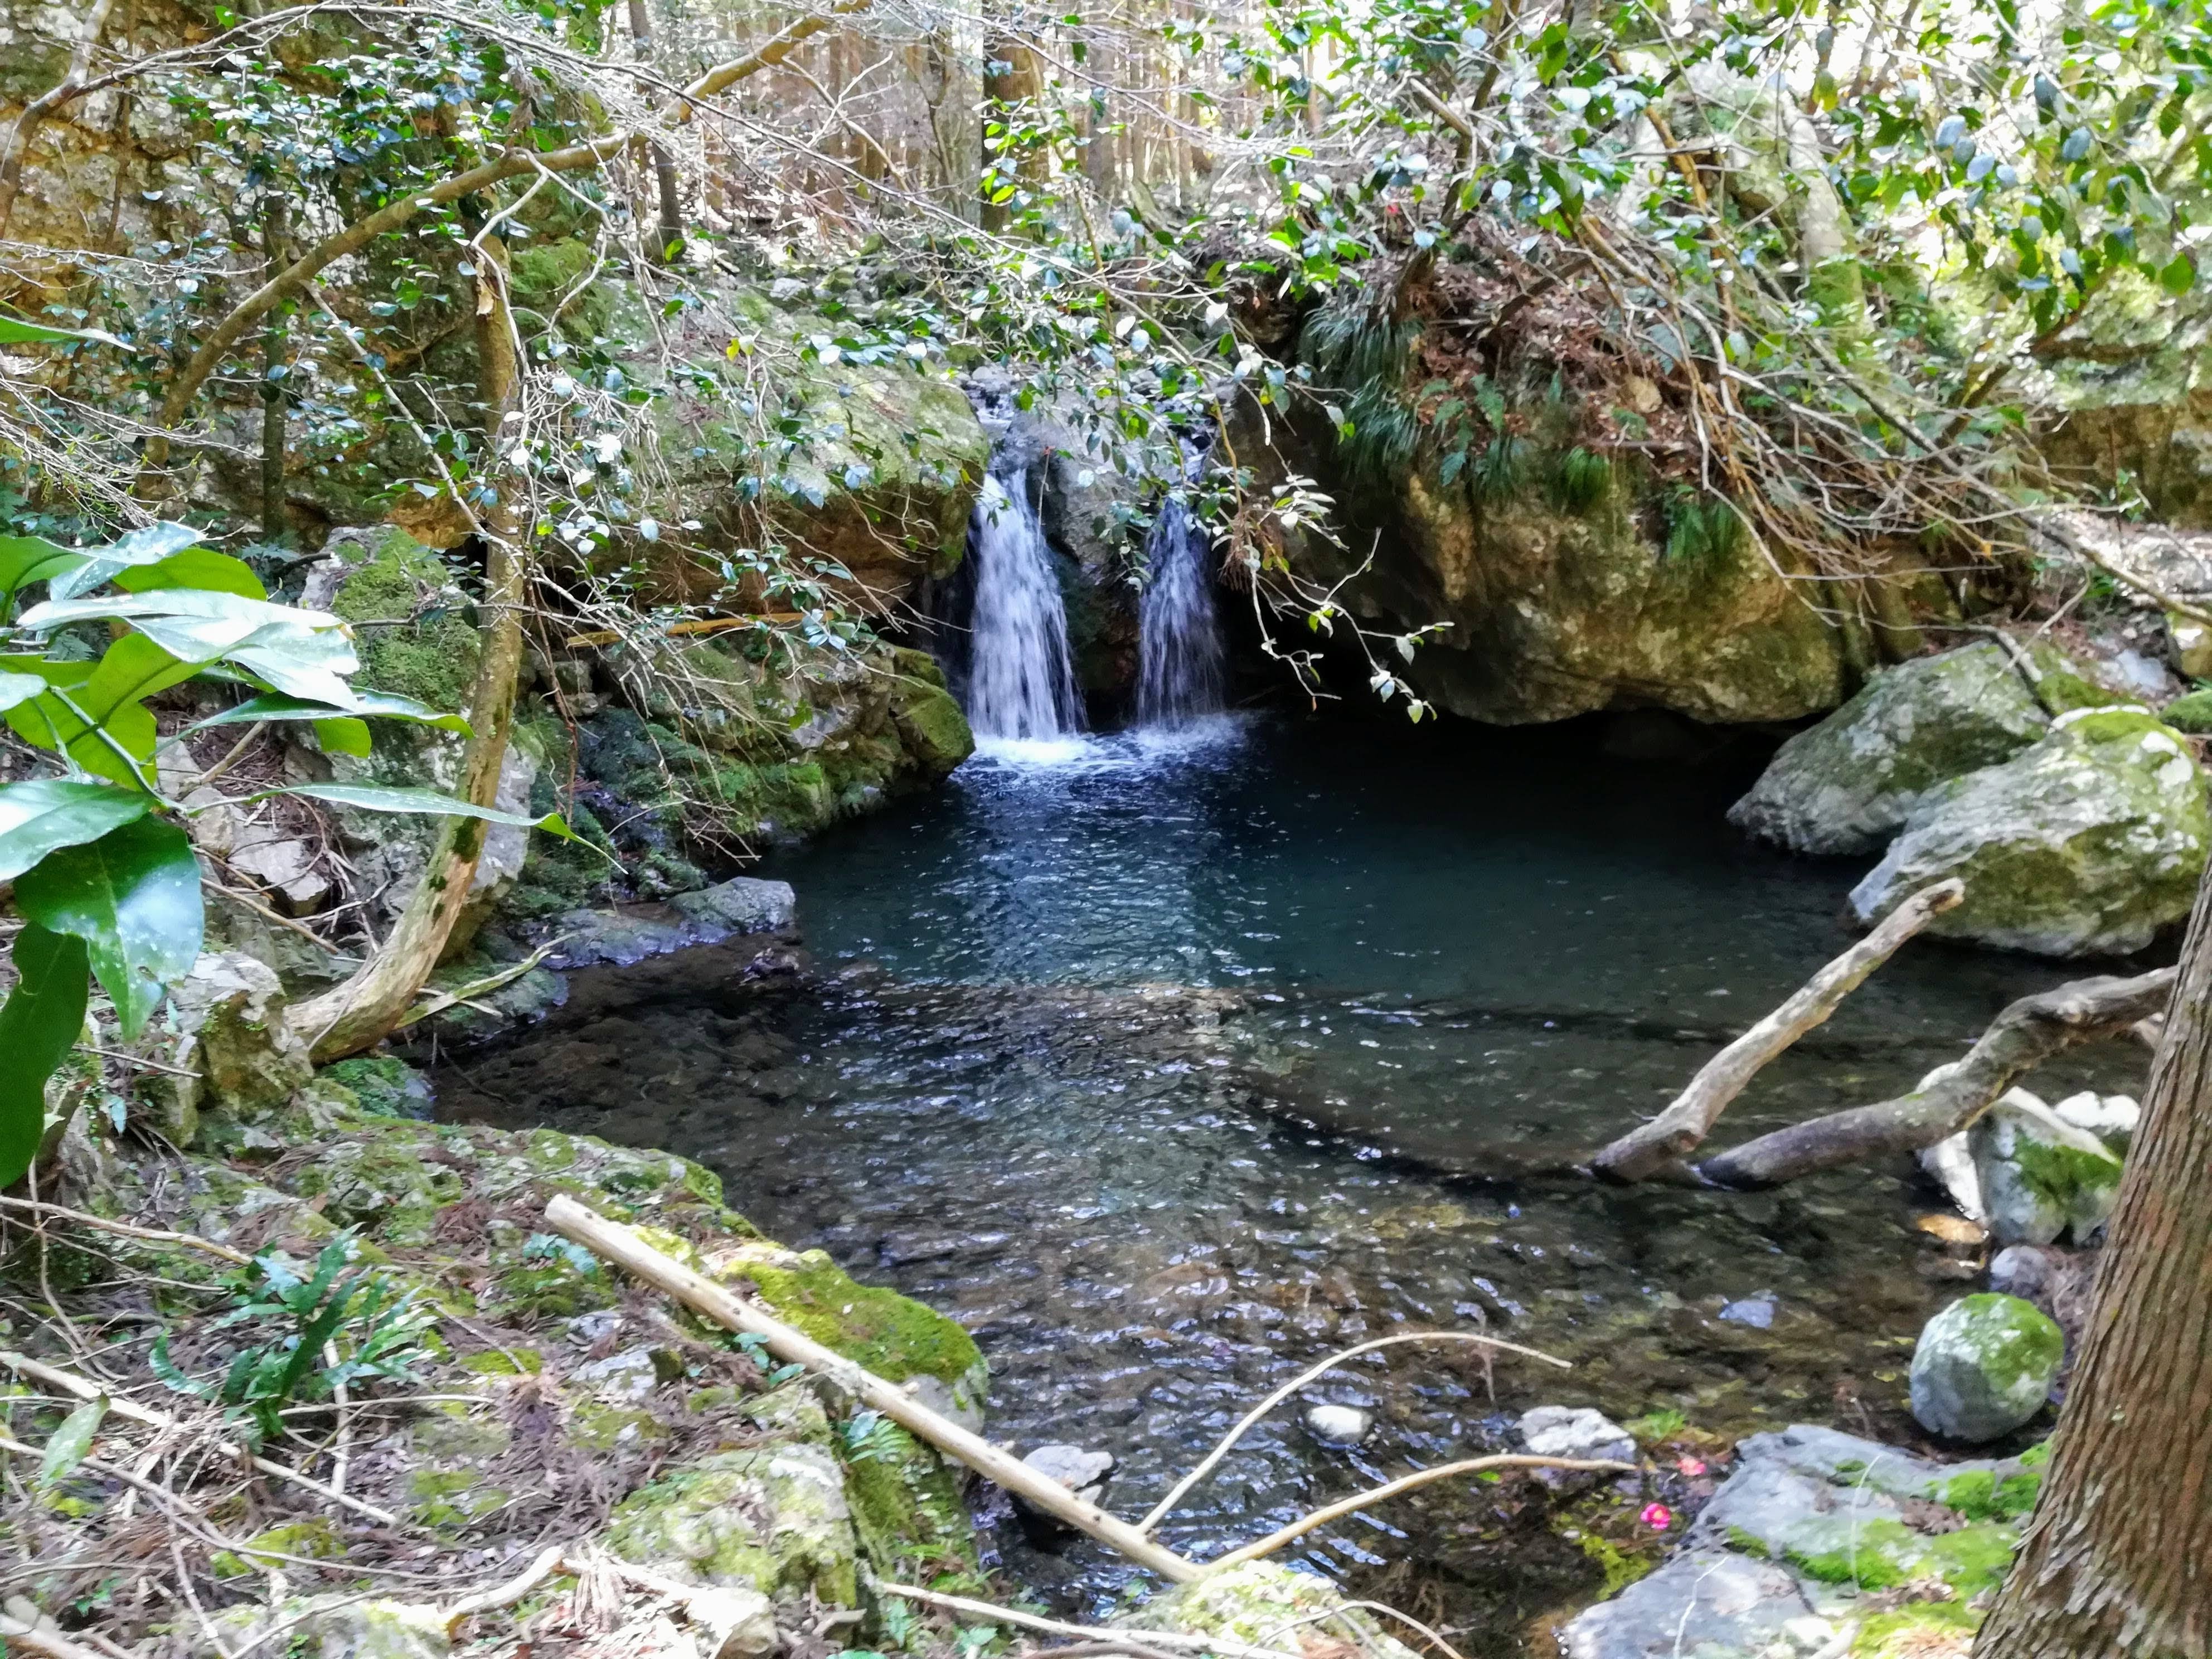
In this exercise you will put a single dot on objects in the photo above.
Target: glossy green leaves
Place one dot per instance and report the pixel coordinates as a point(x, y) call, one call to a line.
point(133, 897)
point(40, 1023)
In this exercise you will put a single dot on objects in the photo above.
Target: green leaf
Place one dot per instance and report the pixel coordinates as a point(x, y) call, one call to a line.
point(2177, 277)
point(19, 688)
point(303, 652)
point(196, 567)
point(133, 897)
point(133, 669)
point(14, 331)
point(380, 705)
point(72, 1443)
point(151, 544)
point(375, 797)
point(342, 736)
point(46, 814)
point(40, 1024)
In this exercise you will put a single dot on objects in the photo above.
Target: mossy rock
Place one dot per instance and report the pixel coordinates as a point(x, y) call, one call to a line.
point(315, 1539)
point(1848, 784)
point(409, 631)
point(1263, 1603)
point(383, 1085)
point(2090, 841)
point(897, 1338)
point(773, 1519)
point(907, 1507)
point(1983, 1367)
point(2191, 713)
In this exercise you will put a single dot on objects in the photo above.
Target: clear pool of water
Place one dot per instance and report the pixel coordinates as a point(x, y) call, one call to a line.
point(1169, 1065)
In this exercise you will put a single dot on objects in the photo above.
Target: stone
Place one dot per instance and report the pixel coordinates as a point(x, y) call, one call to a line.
point(2089, 842)
point(1082, 1473)
point(327, 1627)
point(773, 1520)
point(628, 935)
point(231, 1009)
point(1338, 1426)
point(1983, 1367)
point(628, 1375)
point(1576, 1431)
point(1780, 1563)
point(735, 1622)
point(1261, 1603)
point(1950, 1161)
point(1848, 784)
point(2040, 1176)
point(2142, 677)
point(2113, 1119)
point(2189, 646)
point(2026, 1271)
point(1756, 1311)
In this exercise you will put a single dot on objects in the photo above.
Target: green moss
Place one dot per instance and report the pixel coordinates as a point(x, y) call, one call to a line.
point(889, 1334)
point(907, 1508)
point(2060, 690)
point(1748, 1543)
point(2191, 713)
point(547, 274)
point(504, 1362)
point(1621, 1568)
point(2036, 1456)
point(409, 629)
point(383, 1085)
point(1873, 1554)
point(1886, 1634)
point(1974, 1558)
point(315, 1540)
point(597, 1427)
point(1980, 1496)
point(2062, 1173)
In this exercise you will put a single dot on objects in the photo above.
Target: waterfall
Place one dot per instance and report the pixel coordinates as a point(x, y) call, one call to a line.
point(1021, 681)
point(1179, 656)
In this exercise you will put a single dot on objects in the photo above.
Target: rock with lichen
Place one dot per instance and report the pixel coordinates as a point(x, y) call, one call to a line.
point(1984, 1366)
point(1809, 1529)
point(1848, 784)
point(2090, 841)
point(1265, 1604)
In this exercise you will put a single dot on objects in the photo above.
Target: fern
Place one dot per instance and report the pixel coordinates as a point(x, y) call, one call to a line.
point(1503, 471)
point(1583, 481)
point(1700, 530)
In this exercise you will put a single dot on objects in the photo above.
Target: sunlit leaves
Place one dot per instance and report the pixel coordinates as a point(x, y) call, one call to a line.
point(133, 897)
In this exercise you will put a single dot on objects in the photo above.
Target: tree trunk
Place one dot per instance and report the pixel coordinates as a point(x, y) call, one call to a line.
point(273, 244)
point(2117, 1562)
point(366, 1008)
point(668, 234)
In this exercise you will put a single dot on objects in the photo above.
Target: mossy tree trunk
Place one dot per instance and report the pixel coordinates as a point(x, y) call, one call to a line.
point(366, 1008)
point(2117, 1562)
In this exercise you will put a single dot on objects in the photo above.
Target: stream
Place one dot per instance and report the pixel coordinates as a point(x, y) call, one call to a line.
point(1169, 1063)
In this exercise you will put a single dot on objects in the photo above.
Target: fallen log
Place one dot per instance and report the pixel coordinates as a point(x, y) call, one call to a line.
point(1651, 1148)
point(2025, 1035)
point(621, 1246)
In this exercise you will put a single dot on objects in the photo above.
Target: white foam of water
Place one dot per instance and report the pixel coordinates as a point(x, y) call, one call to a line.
point(1179, 655)
point(1021, 686)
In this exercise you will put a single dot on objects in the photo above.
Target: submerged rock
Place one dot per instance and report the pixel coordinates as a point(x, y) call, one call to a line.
point(1575, 1432)
point(1338, 1426)
point(2088, 842)
point(1848, 784)
point(1780, 1563)
point(2039, 1174)
point(1082, 1473)
point(1984, 1366)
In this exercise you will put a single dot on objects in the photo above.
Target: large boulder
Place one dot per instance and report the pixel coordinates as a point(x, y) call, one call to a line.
point(2087, 843)
point(1848, 784)
point(1983, 1367)
point(1556, 611)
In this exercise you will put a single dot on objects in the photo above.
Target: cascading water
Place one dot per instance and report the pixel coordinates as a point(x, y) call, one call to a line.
point(1179, 654)
point(1021, 679)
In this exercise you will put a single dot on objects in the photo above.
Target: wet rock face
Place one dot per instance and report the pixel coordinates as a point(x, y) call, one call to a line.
point(1983, 1367)
point(2040, 1175)
point(2088, 842)
point(1811, 1526)
point(1848, 784)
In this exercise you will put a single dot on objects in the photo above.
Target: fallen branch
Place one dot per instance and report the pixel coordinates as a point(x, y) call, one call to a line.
point(1651, 1147)
point(695, 625)
point(131, 1412)
point(1166, 1505)
point(2025, 1035)
point(1405, 1483)
point(124, 1229)
point(477, 988)
point(507, 1592)
point(623, 1247)
point(40, 1639)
